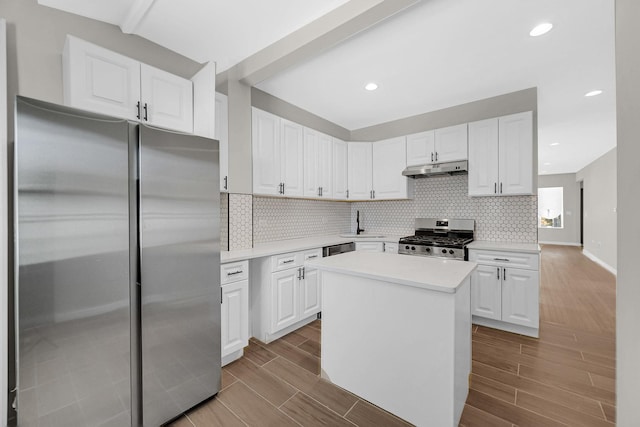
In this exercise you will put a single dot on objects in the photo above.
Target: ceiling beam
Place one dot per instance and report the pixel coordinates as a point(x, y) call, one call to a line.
point(135, 15)
point(308, 41)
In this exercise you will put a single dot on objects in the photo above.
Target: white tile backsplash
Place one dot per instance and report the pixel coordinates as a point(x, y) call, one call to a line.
point(280, 218)
point(505, 218)
point(240, 221)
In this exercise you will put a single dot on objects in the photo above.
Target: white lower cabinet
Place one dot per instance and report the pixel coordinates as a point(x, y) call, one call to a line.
point(503, 296)
point(234, 319)
point(286, 294)
point(370, 246)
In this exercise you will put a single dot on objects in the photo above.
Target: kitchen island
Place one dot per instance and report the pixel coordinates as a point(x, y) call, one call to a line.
point(396, 331)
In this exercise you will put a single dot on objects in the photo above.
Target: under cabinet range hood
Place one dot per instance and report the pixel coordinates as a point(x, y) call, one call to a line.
point(425, 171)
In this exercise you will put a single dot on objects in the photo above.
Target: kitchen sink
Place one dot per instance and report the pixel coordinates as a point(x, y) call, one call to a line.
point(361, 236)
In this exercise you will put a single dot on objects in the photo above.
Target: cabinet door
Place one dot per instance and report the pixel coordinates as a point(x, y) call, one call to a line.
point(96, 79)
point(391, 247)
point(359, 170)
point(370, 246)
point(520, 295)
point(310, 293)
point(483, 158)
point(340, 170)
point(265, 137)
point(451, 143)
point(486, 292)
point(285, 298)
point(325, 165)
point(167, 99)
point(389, 160)
point(516, 153)
point(420, 148)
point(291, 158)
point(311, 164)
point(235, 316)
point(221, 133)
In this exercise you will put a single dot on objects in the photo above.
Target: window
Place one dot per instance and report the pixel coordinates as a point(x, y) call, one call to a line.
point(550, 207)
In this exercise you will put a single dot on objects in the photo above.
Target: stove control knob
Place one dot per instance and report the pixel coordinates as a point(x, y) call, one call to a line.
point(444, 251)
point(451, 251)
point(413, 248)
point(428, 249)
point(406, 247)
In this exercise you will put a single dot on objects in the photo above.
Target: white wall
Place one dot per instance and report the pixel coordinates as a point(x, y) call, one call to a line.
point(570, 233)
point(3, 221)
point(628, 288)
point(600, 205)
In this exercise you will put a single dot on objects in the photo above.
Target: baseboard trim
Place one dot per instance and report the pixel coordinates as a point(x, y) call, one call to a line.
point(601, 263)
point(505, 326)
point(560, 243)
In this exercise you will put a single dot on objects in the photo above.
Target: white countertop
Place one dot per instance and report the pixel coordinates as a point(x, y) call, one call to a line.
point(441, 275)
point(504, 246)
point(292, 245)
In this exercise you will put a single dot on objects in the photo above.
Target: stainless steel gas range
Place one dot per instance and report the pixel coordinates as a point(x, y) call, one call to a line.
point(441, 238)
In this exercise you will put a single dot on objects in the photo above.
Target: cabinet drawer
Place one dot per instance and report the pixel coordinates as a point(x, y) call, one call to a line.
point(370, 246)
point(524, 260)
point(284, 261)
point(312, 254)
point(391, 247)
point(234, 271)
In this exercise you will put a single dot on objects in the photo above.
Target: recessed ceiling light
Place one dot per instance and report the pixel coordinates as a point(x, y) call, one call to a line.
point(541, 29)
point(593, 93)
point(371, 86)
point(554, 144)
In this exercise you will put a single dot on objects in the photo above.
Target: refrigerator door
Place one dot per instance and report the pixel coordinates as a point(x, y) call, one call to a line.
point(180, 272)
point(72, 266)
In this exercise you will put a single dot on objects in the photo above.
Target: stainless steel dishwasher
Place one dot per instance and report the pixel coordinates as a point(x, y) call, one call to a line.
point(338, 249)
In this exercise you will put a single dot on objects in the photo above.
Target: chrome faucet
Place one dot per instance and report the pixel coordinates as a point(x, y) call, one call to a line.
point(358, 229)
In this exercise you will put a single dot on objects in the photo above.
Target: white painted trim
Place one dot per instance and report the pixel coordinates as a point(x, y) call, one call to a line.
point(3, 224)
point(560, 243)
point(204, 100)
point(598, 261)
point(506, 326)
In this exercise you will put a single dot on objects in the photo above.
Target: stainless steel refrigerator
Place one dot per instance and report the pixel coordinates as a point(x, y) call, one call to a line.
point(117, 269)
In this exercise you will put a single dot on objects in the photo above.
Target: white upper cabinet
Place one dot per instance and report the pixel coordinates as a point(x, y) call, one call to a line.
point(389, 160)
point(375, 170)
point(340, 169)
point(483, 158)
point(501, 156)
point(360, 163)
point(451, 143)
point(291, 163)
point(436, 146)
point(221, 133)
point(266, 152)
point(421, 148)
point(102, 81)
point(277, 155)
point(318, 164)
point(516, 153)
point(167, 100)
point(99, 80)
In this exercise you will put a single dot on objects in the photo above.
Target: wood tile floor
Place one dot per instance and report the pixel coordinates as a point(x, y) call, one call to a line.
point(564, 378)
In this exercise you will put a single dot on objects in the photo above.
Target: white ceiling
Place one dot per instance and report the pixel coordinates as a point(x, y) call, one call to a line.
point(436, 54)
